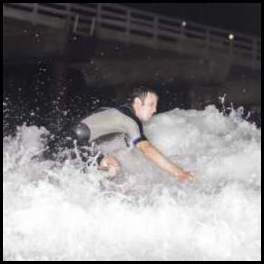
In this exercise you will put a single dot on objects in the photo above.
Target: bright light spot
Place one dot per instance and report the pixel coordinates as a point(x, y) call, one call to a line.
point(184, 23)
point(231, 36)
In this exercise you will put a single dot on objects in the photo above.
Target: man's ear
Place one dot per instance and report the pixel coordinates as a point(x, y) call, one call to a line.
point(138, 101)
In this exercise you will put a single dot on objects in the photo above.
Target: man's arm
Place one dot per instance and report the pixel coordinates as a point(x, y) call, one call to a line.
point(157, 157)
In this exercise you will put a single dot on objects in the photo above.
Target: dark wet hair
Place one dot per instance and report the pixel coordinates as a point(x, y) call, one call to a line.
point(141, 92)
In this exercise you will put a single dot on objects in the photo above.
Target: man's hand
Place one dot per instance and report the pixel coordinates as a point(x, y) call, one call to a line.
point(184, 176)
point(111, 165)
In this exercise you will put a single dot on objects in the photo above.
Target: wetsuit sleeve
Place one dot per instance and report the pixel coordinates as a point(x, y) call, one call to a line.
point(132, 126)
point(141, 137)
point(135, 132)
point(138, 140)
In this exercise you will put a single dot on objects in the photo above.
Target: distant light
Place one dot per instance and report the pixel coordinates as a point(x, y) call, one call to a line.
point(231, 36)
point(184, 23)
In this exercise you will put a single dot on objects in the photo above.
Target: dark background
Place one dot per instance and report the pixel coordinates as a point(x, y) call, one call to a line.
point(30, 94)
point(238, 17)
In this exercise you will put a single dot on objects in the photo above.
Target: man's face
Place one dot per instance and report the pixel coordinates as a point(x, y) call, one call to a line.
point(147, 107)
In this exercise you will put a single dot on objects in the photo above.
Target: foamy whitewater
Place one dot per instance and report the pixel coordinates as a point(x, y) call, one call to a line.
point(59, 212)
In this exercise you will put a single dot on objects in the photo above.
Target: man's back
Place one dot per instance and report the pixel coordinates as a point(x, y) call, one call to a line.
point(102, 122)
point(114, 120)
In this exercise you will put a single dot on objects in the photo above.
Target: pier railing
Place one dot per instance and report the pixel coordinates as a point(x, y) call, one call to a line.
point(89, 19)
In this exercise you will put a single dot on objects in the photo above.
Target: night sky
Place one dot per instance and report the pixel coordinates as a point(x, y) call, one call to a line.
point(238, 17)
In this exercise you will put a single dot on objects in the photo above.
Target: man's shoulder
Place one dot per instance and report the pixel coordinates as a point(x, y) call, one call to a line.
point(123, 110)
point(100, 109)
point(105, 113)
point(126, 110)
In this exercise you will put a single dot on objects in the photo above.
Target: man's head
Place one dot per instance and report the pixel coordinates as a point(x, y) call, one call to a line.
point(144, 101)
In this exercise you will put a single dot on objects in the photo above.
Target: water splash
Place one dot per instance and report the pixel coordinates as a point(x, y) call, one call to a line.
point(59, 212)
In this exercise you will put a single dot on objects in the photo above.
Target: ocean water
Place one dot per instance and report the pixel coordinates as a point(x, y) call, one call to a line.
point(55, 211)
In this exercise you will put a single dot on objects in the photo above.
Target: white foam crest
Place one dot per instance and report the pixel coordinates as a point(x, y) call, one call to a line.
point(59, 212)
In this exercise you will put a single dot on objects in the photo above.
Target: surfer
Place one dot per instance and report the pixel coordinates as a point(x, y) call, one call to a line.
point(127, 119)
